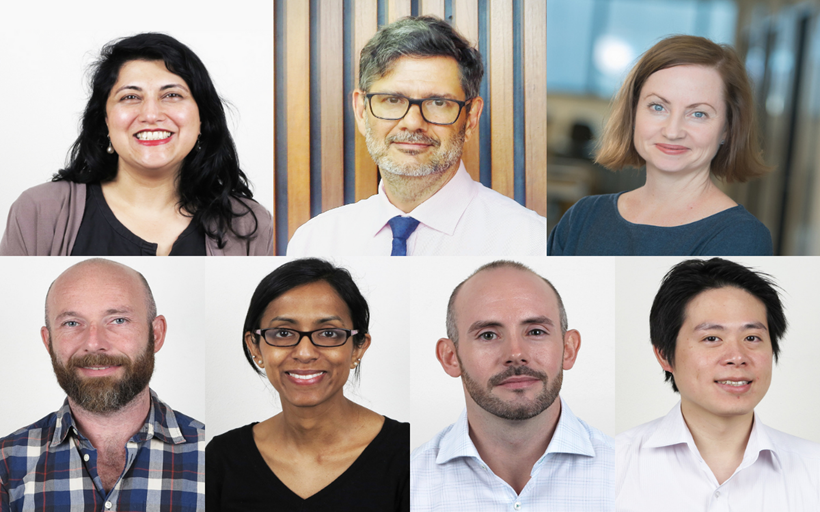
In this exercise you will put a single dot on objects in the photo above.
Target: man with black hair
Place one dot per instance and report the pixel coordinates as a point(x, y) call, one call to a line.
point(417, 104)
point(715, 327)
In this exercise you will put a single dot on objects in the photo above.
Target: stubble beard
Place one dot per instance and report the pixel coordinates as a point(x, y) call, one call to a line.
point(483, 396)
point(445, 154)
point(104, 395)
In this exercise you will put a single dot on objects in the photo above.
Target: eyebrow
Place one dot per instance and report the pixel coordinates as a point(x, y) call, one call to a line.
point(108, 312)
point(138, 88)
point(706, 326)
point(445, 96)
point(482, 324)
point(293, 321)
point(688, 106)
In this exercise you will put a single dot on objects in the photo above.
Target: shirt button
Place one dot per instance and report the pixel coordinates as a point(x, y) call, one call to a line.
point(717, 494)
point(107, 504)
point(517, 506)
point(86, 457)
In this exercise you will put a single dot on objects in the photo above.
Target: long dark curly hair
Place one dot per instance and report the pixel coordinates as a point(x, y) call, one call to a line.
point(209, 177)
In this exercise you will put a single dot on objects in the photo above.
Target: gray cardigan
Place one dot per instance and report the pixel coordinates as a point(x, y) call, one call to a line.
point(45, 219)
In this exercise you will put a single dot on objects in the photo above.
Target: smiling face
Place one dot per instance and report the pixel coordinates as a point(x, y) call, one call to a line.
point(411, 146)
point(510, 351)
point(306, 375)
point(680, 119)
point(99, 337)
point(723, 356)
point(152, 118)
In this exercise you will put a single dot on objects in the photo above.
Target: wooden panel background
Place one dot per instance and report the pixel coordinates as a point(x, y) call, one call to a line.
point(328, 17)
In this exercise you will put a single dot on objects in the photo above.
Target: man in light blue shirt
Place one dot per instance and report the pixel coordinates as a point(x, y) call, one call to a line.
point(517, 446)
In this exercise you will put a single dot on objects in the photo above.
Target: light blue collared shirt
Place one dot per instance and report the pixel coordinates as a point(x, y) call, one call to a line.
point(575, 474)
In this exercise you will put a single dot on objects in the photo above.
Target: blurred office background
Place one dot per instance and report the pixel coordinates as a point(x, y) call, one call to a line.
point(592, 45)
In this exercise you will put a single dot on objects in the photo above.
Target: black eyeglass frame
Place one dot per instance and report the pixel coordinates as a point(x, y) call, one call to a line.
point(411, 102)
point(350, 333)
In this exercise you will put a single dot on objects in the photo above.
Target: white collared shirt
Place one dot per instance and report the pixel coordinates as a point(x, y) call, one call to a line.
point(660, 469)
point(576, 473)
point(464, 218)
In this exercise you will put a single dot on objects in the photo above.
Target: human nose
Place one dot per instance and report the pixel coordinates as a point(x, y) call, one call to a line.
point(96, 339)
point(673, 128)
point(413, 120)
point(516, 352)
point(304, 349)
point(735, 354)
point(151, 110)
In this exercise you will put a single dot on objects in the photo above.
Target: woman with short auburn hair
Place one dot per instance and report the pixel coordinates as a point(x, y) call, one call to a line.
point(686, 112)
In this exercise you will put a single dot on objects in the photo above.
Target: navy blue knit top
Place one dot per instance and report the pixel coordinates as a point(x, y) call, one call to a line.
point(594, 227)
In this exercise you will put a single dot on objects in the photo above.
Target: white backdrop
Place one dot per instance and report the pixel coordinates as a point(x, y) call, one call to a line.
point(47, 47)
point(237, 396)
point(30, 390)
point(791, 405)
point(586, 285)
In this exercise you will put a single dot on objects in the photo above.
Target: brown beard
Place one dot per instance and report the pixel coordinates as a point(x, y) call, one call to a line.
point(108, 394)
point(506, 410)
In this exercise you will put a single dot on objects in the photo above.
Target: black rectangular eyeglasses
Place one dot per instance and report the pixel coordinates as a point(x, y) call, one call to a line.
point(392, 107)
point(284, 337)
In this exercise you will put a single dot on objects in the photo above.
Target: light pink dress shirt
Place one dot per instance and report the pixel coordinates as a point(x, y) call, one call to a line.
point(464, 218)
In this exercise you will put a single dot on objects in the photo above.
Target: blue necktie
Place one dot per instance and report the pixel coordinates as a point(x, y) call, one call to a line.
point(402, 228)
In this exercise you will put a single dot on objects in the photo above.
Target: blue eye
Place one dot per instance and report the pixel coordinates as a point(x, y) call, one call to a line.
point(699, 115)
point(656, 108)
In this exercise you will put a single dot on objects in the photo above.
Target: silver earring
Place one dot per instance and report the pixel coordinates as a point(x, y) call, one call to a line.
point(198, 142)
point(110, 147)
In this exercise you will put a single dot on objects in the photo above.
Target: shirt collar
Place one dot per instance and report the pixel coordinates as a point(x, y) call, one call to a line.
point(673, 430)
point(570, 436)
point(441, 211)
point(160, 423)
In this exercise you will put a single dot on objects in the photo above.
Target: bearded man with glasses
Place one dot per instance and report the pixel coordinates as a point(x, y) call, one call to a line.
point(417, 104)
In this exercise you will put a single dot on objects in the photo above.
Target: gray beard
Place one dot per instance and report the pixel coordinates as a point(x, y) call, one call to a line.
point(445, 155)
point(483, 396)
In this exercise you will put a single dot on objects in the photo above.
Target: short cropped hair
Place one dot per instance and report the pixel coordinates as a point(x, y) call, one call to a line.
point(739, 158)
point(420, 36)
point(690, 278)
point(297, 273)
point(452, 329)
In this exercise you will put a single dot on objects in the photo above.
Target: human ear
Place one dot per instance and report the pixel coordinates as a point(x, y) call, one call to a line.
point(358, 352)
point(256, 354)
point(476, 105)
point(358, 110)
point(160, 327)
point(572, 343)
point(662, 360)
point(46, 337)
point(446, 353)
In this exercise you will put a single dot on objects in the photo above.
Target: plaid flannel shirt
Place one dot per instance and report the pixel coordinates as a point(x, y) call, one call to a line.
point(50, 466)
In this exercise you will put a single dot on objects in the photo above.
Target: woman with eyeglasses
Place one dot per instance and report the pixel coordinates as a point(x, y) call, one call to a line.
point(306, 330)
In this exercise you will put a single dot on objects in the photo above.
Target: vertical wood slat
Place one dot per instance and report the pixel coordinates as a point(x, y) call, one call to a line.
point(297, 19)
point(273, 142)
point(465, 20)
point(398, 9)
point(434, 7)
point(331, 70)
point(535, 104)
point(501, 90)
point(365, 14)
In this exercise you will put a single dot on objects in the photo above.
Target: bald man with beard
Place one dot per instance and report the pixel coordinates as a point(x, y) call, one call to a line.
point(517, 446)
point(113, 445)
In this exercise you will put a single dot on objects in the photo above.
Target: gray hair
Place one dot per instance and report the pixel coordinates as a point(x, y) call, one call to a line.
point(452, 330)
point(420, 36)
